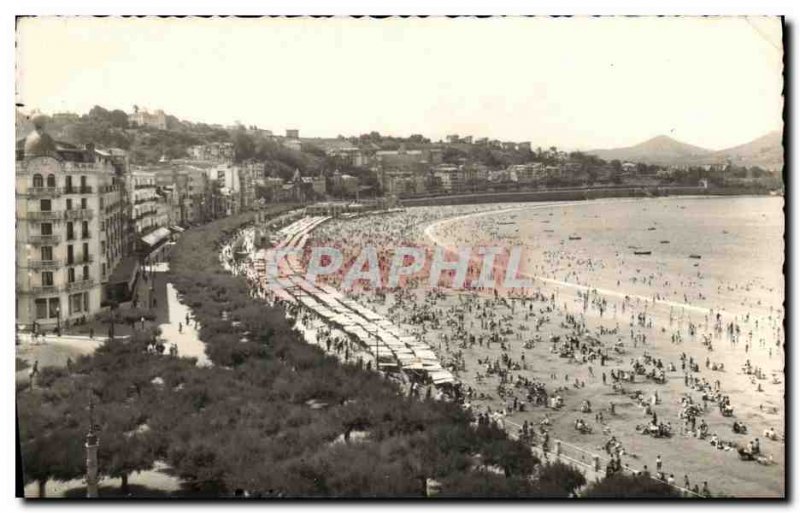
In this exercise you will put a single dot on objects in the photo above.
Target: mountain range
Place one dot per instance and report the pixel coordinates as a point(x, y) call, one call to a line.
point(765, 152)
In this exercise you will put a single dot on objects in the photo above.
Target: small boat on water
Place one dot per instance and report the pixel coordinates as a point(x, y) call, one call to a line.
point(574, 237)
point(651, 228)
point(549, 231)
point(503, 223)
point(664, 242)
point(696, 257)
point(642, 252)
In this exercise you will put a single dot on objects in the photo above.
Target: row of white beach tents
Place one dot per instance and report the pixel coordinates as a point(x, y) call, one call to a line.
point(387, 342)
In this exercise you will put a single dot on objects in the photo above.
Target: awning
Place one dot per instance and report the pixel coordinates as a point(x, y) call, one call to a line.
point(177, 229)
point(125, 272)
point(151, 239)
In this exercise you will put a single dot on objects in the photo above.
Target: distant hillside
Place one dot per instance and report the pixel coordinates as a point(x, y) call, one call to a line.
point(661, 150)
point(765, 152)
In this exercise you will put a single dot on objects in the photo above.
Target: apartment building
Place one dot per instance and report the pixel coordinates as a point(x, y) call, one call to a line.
point(70, 229)
point(150, 216)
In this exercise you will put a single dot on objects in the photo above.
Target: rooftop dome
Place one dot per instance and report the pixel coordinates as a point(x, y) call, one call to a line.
point(39, 143)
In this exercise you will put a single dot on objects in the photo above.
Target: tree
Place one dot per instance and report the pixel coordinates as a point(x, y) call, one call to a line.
point(99, 113)
point(619, 485)
point(591, 173)
point(559, 480)
point(127, 442)
point(51, 438)
point(118, 119)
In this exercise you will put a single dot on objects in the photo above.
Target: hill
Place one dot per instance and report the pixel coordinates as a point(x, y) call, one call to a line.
point(661, 150)
point(765, 152)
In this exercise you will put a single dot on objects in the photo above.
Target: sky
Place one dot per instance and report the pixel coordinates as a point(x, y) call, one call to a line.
point(574, 83)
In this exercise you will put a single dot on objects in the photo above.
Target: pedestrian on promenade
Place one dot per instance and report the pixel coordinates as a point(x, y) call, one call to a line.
point(658, 463)
point(180, 328)
point(91, 333)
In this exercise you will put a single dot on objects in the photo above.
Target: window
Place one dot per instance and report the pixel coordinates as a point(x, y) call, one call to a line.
point(41, 308)
point(69, 184)
point(47, 252)
point(85, 301)
point(69, 203)
point(47, 279)
point(85, 251)
point(38, 181)
point(85, 229)
point(83, 182)
point(70, 231)
point(102, 246)
point(83, 203)
point(71, 275)
point(45, 205)
point(75, 303)
point(70, 255)
point(46, 229)
point(102, 203)
point(85, 272)
point(104, 269)
point(51, 180)
point(55, 308)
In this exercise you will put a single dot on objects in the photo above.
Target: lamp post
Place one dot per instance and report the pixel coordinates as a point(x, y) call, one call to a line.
point(92, 444)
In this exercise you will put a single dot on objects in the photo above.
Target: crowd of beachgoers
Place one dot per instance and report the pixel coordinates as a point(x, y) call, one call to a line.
point(650, 368)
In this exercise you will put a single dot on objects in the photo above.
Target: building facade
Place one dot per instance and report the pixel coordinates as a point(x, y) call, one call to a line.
point(157, 119)
point(215, 152)
point(70, 230)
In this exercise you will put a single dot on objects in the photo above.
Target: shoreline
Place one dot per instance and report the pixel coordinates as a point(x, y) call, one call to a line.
point(431, 228)
point(580, 194)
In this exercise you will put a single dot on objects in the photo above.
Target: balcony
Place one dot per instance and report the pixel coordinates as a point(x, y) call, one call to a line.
point(46, 289)
point(44, 264)
point(45, 240)
point(44, 192)
point(87, 259)
point(86, 236)
point(80, 285)
point(44, 216)
point(142, 215)
point(85, 189)
point(78, 214)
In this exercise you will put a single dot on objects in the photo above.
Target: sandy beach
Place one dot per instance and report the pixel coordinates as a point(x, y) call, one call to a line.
point(710, 297)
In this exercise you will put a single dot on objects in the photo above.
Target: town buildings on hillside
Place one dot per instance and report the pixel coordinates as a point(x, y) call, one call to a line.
point(143, 118)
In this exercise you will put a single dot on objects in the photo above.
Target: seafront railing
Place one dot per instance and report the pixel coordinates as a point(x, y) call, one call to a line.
point(598, 463)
